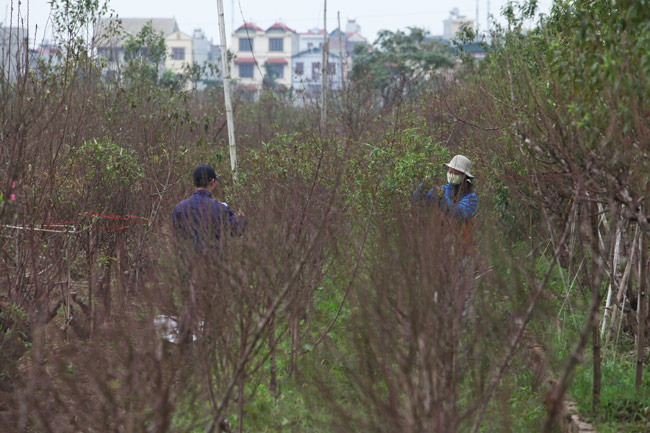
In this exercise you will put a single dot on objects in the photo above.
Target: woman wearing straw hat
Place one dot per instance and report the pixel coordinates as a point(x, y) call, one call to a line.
point(457, 198)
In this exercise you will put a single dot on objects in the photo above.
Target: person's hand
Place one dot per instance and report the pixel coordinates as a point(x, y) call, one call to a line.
point(441, 193)
point(425, 185)
point(239, 213)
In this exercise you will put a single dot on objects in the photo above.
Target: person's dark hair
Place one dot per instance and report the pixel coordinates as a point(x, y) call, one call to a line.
point(203, 174)
point(466, 187)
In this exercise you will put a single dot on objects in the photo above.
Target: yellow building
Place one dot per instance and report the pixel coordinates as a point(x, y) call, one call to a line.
point(179, 52)
point(260, 52)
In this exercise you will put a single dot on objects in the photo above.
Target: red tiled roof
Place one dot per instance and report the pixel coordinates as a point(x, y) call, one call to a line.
point(276, 60)
point(249, 26)
point(245, 60)
point(280, 26)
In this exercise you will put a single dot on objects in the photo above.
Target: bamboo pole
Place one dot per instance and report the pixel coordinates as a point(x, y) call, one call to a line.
point(620, 298)
point(226, 90)
point(612, 280)
point(598, 250)
point(324, 51)
point(338, 15)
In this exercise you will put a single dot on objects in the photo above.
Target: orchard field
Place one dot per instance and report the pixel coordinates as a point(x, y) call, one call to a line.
point(344, 306)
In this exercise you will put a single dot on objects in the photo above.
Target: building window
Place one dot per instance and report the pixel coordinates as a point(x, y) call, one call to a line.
point(178, 53)
point(300, 68)
point(245, 70)
point(315, 71)
point(106, 52)
point(331, 68)
point(276, 70)
point(276, 44)
point(245, 44)
point(310, 45)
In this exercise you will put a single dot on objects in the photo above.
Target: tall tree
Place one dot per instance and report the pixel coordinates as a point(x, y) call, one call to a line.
point(145, 53)
point(398, 61)
point(574, 94)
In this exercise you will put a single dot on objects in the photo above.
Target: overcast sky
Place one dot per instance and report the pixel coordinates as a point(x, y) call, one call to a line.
point(301, 15)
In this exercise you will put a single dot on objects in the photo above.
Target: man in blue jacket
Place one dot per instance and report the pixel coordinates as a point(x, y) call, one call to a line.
point(200, 224)
point(201, 221)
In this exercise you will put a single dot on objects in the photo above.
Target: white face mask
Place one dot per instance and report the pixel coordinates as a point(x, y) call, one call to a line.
point(454, 179)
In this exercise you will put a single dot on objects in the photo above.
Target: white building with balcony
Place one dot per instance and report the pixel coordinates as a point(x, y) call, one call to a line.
point(262, 52)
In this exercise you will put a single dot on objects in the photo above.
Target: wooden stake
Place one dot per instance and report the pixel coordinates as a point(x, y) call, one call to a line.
point(620, 296)
point(612, 281)
point(641, 313)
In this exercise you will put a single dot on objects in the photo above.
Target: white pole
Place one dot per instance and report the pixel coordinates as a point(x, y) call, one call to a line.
point(487, 19)
point(612, 280)
point(226, 90)
point(323, 108)
point(338, 15)
point(620, 296)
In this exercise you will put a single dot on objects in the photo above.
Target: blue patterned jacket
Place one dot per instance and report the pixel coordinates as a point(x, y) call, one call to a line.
point(463, 210)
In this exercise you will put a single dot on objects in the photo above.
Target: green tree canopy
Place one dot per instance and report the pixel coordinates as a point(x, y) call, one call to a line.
point(397, 61)
point(145, 53)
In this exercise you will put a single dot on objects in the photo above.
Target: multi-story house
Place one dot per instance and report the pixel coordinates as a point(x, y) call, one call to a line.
point(454, 24)
point(110, 43)
point(311, 39)
point(201, 46)
point(261, 53)
point(340, 43)
point(205, 52)
point(347, 40)
point(307, 71)
point(179, 52)
point(183, 50)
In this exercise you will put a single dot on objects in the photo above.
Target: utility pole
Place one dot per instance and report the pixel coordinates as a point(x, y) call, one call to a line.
point(324, 50)
point(487, 19)
point(338, 15)
point(226, 90)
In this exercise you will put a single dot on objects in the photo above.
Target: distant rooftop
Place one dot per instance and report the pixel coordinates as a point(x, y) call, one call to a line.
point(281, 26)
point(249, 26)
point(313, 51)
point(314, 31)
point(131, 26)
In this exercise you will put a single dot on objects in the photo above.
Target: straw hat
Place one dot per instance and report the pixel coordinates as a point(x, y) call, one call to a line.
point(460, 163)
